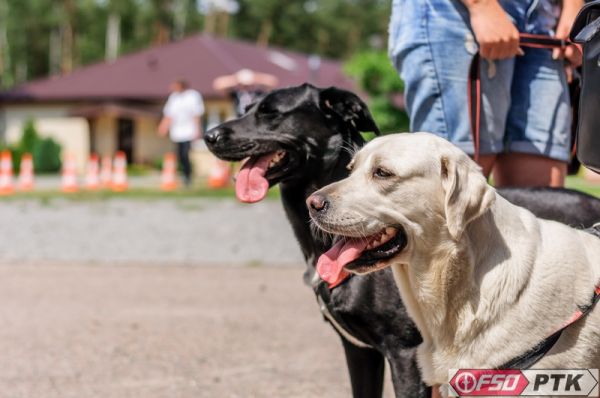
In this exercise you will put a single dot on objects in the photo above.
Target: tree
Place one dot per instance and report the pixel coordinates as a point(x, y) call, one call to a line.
point(334, 28)
point(43, 37)
point(5, 69)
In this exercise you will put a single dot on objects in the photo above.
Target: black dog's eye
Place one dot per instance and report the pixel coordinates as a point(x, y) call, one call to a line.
point(380, 172)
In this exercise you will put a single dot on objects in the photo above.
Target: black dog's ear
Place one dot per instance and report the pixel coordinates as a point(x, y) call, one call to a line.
point(349, 107)
point(254, 101)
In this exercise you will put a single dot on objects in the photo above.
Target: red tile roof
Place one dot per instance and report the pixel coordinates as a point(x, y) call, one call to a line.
point(199, 59)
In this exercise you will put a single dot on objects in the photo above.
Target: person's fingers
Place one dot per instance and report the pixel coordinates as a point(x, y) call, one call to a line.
point(569, 53)
point(508, 48)
point(501, 48)
point(556, 53)
point(490, 52)
point(495, 53)
point(504, 51)
point(569, 73)
point(484, 51)
point(514, 46)
point(574, 56)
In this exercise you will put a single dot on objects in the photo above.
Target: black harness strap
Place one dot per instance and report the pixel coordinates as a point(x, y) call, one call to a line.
point(531, 357)
point(323, 291)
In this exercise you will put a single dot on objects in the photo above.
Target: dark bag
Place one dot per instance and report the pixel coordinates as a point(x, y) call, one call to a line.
point(586, 31)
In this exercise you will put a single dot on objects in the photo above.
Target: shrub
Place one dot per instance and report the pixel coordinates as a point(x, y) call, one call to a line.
point(45, 151)
point(374, 73)
point(46, 156)
point(29, 137)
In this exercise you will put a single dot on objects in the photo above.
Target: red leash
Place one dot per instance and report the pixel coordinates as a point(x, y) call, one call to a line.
point(581, 312)
point(474, 83)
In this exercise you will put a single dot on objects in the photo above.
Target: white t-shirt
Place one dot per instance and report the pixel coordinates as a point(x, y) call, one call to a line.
point(182, 108)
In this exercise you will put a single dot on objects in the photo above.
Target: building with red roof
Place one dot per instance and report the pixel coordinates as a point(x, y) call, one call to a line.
point(116, 105)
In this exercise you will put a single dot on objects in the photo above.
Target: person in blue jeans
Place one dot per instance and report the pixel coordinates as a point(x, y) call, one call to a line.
point(526, 111)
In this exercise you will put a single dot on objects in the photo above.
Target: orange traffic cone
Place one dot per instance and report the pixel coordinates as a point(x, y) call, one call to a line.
point(69, 174)
point(92, 179)
point(106, 172)
point(119, 179)
point(219, 174)
point(6, 173)
point(26, 173)
point(168, 180)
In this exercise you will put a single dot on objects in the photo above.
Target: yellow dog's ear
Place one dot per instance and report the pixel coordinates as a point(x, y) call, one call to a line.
point(467, 193)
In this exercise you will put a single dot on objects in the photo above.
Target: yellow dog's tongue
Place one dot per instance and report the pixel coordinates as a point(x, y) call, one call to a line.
point(250, 184)
point(331, 264)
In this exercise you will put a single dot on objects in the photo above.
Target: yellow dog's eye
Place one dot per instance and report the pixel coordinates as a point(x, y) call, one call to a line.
point(380, 172)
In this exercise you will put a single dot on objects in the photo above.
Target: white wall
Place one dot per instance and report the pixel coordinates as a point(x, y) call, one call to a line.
point(148, 145)
point(15, 117)
point(50, 121)
point(72, 133)
point(105, 129)
point(53, 120)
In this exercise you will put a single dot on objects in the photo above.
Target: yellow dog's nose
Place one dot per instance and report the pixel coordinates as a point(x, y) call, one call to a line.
point(317, 202)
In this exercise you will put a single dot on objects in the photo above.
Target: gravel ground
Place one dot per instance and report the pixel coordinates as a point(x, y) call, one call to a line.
point(138, 298)
point(175, 231)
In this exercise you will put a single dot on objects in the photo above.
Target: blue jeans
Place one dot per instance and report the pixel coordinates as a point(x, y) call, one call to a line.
point(525, 100)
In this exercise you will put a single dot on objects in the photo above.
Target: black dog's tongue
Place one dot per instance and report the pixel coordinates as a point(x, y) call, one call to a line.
point(251, 186)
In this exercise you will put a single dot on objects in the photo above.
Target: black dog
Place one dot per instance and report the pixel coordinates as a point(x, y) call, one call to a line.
point(302, 138)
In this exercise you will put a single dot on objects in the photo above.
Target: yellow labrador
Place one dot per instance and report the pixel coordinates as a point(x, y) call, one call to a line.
point(484, 280)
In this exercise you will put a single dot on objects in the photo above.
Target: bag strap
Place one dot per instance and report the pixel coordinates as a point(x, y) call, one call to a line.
point(474, 81)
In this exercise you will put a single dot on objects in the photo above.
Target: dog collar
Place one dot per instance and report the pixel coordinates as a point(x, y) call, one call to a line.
point(323, 292)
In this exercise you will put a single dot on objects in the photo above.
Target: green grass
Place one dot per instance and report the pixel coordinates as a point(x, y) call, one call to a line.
point(578, 183)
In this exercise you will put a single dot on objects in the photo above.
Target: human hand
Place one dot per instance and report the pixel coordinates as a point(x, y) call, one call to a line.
point(572, 53)
point(497, 36)
point(163, 127)
point(198, 133)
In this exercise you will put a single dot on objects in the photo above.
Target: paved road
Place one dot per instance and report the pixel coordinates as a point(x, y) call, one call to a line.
point(160, 332)
point(158, 298)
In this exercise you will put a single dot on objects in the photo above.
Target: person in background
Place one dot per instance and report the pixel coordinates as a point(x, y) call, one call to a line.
point(244, 87)
point(526, 111)
point(244, 95)
point(182, 121)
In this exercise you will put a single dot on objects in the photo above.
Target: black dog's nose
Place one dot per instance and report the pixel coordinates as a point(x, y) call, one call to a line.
point(317, 202)
point(212, 135)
